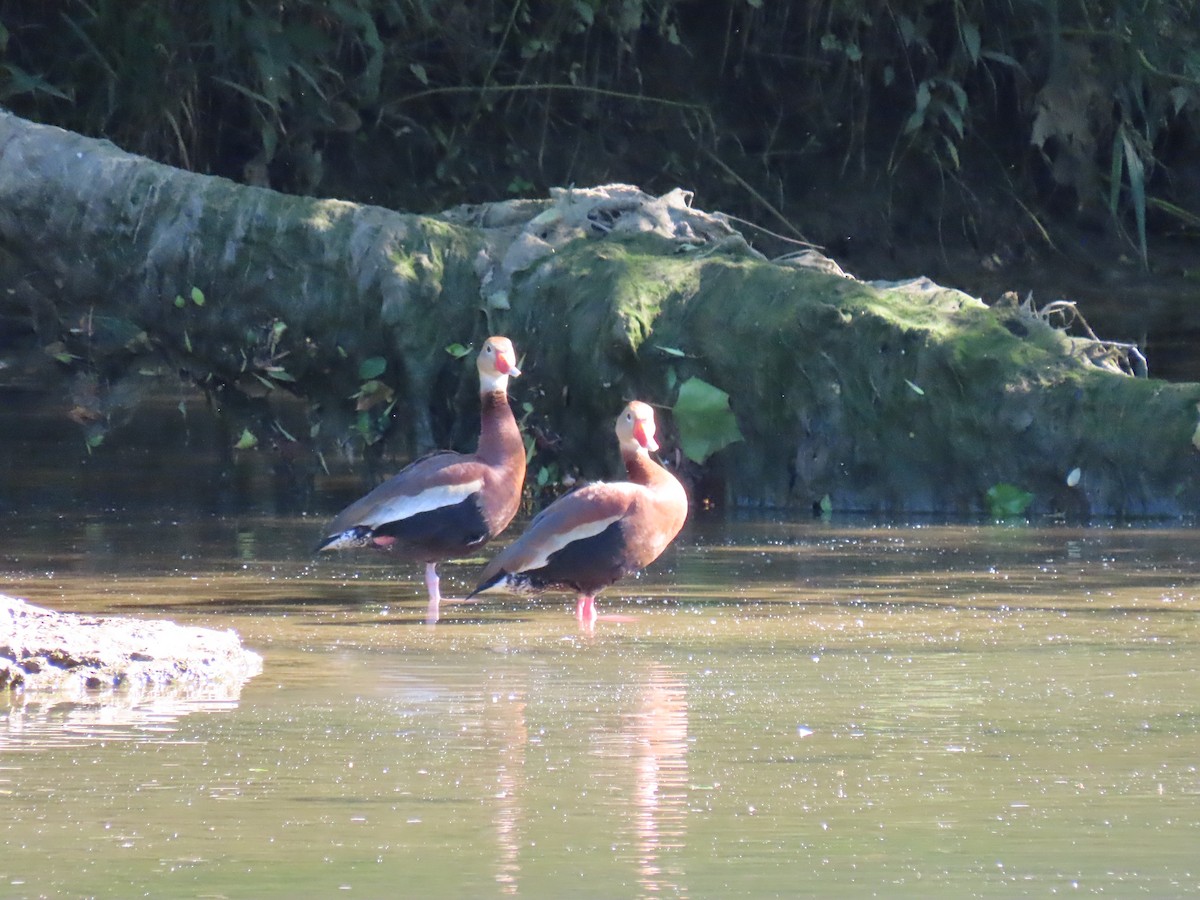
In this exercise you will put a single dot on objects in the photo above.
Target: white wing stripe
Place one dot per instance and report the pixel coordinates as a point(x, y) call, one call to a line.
point(399, 508)
point(558, 541)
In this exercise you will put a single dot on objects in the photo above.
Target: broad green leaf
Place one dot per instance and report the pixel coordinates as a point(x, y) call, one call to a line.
point(1137, 189)
point(586, 14)
point(22, 82)
point(923, 97)
point(197, 296)
point(960, 95)
point(1116, 175)
point(1002, 58)
point(951, 150)
point(247, 441)
point(952, 115)
point(971, 40)
point(705, 421)
point(1179, 97)
point(1007, 500)
point(458, 351)
point(372, 367)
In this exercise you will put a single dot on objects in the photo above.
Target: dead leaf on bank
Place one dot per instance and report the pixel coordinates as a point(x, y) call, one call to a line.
point(1071, 113)
point(83, 415)
point(372, 394)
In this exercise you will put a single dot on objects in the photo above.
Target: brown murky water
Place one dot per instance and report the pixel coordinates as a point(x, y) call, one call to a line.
point(793, 708)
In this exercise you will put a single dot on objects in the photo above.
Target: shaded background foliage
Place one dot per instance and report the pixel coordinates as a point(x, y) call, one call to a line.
point(971, 141)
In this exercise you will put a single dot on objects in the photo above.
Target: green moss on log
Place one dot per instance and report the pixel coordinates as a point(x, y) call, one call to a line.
point(908, 399)
point(896, 399)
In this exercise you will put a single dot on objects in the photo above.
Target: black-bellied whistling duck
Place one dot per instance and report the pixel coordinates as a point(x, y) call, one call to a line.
point(447, 504)
point(599, 532)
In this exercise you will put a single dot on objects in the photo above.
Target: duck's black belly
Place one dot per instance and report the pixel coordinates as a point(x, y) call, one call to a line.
point(439, 533)
point(587, 565)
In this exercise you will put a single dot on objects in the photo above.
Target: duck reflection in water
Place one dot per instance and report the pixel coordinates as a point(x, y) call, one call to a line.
point(642, 754)
point(660, 740)
point(506, 726)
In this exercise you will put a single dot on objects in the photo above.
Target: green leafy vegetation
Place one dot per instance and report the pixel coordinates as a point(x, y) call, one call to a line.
point(1007, 501)
point(706, 423)
point(372, 367)
point(373, 401)
point(1080, 105)
point(1084, 107)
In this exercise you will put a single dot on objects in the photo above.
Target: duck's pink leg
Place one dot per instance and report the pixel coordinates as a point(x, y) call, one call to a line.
point(433, 585)
point(585, 610)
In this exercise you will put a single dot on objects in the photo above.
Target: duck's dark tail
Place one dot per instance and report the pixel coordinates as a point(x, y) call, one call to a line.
point(494, 583)
point(504, 581)
point(358, 536)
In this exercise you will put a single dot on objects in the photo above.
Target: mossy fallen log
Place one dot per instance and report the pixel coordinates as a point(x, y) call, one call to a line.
point(903, 398)
point(248, 290)
point(898, 399)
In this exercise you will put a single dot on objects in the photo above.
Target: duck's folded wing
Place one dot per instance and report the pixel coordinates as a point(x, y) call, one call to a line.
point(432, 482)
point(574, 517)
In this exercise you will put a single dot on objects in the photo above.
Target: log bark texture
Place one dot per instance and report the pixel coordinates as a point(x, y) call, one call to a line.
point(907, 398)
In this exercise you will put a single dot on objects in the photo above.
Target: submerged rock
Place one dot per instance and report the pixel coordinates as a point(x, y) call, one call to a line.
point(83, 656)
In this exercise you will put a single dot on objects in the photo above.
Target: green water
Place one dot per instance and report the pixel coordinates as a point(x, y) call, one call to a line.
point(783, 708)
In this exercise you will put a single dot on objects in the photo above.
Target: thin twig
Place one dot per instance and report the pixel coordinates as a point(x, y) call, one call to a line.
point(750, 189)
point(779, 237)
point(1128, 357)
point(514, 88)
point(1037, 223)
